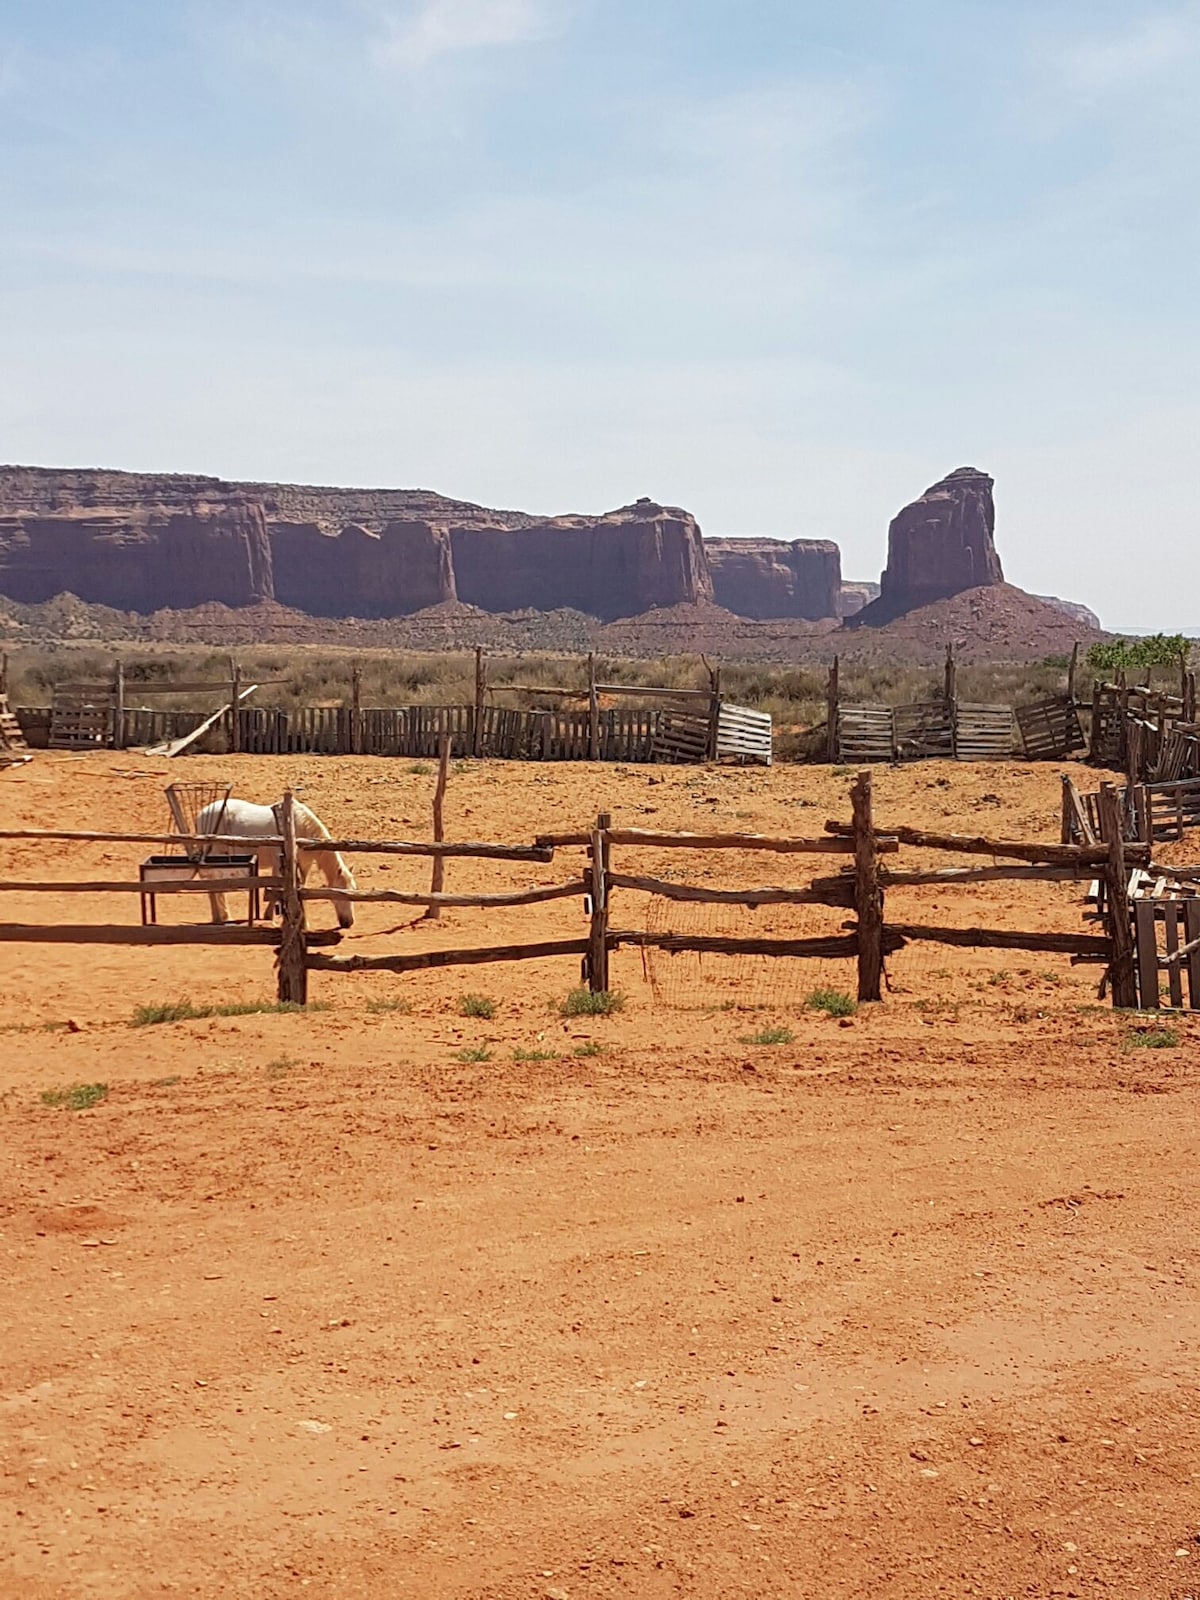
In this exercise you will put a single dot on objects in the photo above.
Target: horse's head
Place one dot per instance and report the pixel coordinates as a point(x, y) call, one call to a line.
point(344, 879)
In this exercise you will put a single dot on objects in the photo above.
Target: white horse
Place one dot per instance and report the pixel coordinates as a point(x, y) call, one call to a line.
point(242, 819)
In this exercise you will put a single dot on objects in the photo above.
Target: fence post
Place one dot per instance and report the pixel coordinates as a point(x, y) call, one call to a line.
point(868, 892)
point(292, 957)
point(1071, 670)
point(593, 710)
point(597, 961)
point(714, 712)
point(480, 694)
point(831, 708)
point(1121, 966)
point(118, 735)
point(438, 876)
point(235, 701)
point(356, 738)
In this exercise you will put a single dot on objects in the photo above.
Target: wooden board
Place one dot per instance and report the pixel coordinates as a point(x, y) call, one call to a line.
point(744, 734)
point(1050, 729)
point(865, 735)
point(984, 732)
point(924, 731)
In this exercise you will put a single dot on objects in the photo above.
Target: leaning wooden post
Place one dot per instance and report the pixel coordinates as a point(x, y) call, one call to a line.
point(597, 962)
point(868, 892)
point(714, 713)
point(480, 696)
point(831, 704)
point(356, 738)
point(1071, 670)
point(950, 677)
point(593, 710)
point(118, 733)
point(292, 956)
point(1116, 886)
point(438, 877)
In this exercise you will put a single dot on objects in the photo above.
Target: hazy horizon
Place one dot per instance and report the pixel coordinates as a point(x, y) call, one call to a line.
point(780, 264)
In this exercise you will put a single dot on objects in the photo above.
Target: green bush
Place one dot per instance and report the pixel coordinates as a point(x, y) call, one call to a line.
point(473, 1055)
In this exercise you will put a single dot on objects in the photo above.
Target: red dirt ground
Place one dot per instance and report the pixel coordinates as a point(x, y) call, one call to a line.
point(310, 1306)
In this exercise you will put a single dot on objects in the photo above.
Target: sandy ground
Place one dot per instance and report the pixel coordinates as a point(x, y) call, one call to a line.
point(312, 1304)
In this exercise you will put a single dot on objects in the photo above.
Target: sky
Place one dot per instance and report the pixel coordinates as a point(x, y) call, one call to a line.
point(783, 263)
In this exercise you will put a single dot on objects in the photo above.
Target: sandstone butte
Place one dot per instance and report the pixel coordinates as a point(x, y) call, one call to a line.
point(141, 542)
point(940, 545)
point(153, 543)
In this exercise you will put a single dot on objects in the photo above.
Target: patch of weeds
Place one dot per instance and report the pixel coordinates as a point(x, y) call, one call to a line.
point(591, 1048)
point(1151, 1038)
point(184, 1011)
point(535, 1055)
point(999, 977)
point(941, 972)
point(165, 1083)
point(386, 1003)
point(476, 1005)
point(473, 1055)
point(279, 1065)
point(833, 1002)
point(80, 1097)
point(843, 772)
point(583, 1003)
point(419, 769)
point(1054, 979)
point(769, 1036)
point(36, 1027)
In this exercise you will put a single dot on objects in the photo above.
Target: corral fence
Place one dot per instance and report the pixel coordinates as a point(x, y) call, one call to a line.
point(1152, 736)
point(858, 889)
point(685, 725)
point(951, 729)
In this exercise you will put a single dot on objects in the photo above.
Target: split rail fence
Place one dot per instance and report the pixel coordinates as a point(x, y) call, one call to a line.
point(859, 888)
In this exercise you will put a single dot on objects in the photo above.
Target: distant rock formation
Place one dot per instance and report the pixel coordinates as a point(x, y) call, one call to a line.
point(855, 596)
point(145, 542)
point(403, 568)
point(768, 578)
point(619, 565)
point(139, 557)
point(938, 546)
point(1083, 615)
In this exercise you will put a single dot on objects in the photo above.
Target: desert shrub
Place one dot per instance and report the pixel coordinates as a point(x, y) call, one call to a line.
point(584, 1003)
point(80, 1097)
point(778, 1035)
point(476, 1005)
point(833, 1002)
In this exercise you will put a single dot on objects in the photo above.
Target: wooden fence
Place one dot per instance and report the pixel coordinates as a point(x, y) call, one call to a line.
point(860, 888)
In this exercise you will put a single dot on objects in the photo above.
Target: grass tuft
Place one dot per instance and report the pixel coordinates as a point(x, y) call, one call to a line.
point(833, 1002)
point(583, 1003)
point(80, 1097)
point(476, 1005)
point(389, 1003)
point(534, 1055)
point(1151, 1038)
point(591, 1048)
point(184, 1011)
point(769, 1036)
point(473, 1055)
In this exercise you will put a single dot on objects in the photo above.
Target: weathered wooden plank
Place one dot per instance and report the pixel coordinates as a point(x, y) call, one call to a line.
point(837, 892)
point(1146, 938)
point(400, 897)
point(420, 960)
point(120, 933)
point(1004, 939)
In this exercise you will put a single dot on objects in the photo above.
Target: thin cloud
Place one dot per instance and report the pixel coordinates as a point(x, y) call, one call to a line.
point(441, 28)
point(1102, 66)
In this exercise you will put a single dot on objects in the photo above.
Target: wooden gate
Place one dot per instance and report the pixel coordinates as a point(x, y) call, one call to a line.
point(1166, 926)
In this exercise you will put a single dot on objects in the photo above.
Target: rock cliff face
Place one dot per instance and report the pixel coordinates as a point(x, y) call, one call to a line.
point(139, 542)
point(767, 578)
point(403, 568)
point(855, 596)
point(619, 565)
point(141, 557)
point(938, 546)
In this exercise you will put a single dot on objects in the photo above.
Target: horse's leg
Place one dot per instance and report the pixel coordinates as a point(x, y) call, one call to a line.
point(220, 911)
